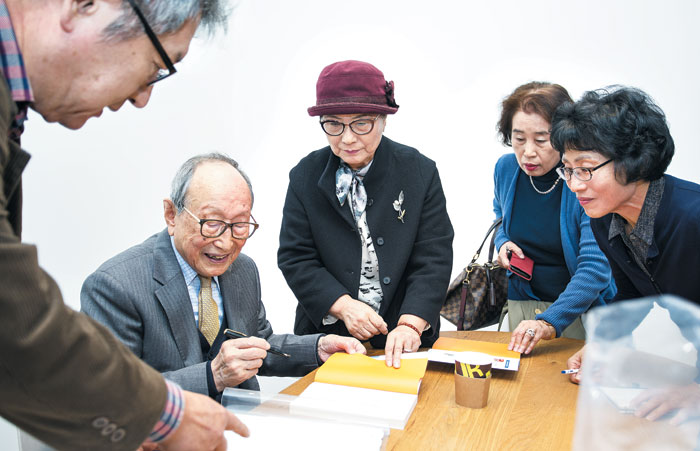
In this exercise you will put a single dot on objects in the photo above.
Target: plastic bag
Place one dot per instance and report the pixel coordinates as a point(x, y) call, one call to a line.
point(641, 359)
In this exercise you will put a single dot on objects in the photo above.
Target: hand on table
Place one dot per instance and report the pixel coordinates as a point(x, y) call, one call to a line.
point(360, 319)
point(652, 404)
point(238, 360)
point(522, 341)
point(575, 362)
point(330, 344)
point(503, 259)
point(403, 339)
point(202, 427)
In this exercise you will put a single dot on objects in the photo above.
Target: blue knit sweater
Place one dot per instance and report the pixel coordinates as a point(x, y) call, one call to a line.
point(591, 281)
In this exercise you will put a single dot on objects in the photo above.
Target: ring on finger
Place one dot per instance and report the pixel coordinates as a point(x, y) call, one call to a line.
point(531, 333)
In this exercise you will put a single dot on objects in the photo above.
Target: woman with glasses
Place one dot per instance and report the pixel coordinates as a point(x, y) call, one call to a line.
point(544, 230)
point(365, 242)
point(616, 146)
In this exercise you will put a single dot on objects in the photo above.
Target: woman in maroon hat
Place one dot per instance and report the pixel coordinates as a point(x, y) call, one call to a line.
point(366, 242)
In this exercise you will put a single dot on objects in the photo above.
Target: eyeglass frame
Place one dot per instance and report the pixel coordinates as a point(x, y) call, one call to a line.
point(228, 226)
point(156, 43)
point(349, 124)
point(563, 172)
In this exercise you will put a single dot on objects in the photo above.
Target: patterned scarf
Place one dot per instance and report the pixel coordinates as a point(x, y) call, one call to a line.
point(348, 183)
point(347, 180)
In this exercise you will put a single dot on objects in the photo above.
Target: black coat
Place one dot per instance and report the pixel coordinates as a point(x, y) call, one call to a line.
point(320, 250)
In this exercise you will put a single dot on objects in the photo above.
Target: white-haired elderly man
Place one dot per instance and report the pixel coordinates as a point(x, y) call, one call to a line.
point(64, 378)
point(171, 298)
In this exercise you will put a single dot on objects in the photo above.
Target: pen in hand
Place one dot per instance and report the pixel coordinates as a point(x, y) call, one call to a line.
point(230, 333)
point(575, 370)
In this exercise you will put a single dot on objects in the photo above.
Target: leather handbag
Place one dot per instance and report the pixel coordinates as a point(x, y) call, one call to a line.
point(476, 297)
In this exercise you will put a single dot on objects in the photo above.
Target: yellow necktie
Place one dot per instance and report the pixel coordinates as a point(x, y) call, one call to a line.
point(208, 311)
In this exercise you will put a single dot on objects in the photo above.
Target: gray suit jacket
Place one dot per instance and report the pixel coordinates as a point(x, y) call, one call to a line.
point(142, 297)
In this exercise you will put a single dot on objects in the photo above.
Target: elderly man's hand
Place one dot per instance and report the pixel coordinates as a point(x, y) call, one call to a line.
point(360, 319)
point(330, 344)
point(238, 360)
point(202, 427)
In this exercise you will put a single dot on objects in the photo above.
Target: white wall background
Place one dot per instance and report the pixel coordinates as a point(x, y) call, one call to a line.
point(91, 194)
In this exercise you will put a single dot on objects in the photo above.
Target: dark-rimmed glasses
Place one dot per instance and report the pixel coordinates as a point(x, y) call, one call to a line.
point(214, 228)
point(170, 67)
point(358, 126)
point(583, 174)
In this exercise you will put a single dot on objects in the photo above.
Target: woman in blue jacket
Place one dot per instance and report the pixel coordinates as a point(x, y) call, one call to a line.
point(543, 221)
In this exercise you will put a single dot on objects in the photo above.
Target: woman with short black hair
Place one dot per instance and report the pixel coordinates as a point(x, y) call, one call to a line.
point(616, 146)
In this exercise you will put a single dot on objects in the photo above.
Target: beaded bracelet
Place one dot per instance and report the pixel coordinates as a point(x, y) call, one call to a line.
point(402, 323)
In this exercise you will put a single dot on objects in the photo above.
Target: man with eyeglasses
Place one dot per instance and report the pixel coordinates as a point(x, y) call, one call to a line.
point(170, 298)
point(64, 378)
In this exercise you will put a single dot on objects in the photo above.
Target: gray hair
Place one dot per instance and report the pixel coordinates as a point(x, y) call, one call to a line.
point(167, 16)
point(183, 177)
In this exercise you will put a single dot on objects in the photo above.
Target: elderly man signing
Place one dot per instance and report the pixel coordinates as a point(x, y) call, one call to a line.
point(170, 298)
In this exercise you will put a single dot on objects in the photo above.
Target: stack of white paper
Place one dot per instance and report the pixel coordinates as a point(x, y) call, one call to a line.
point(355, 404)
point(295, 434)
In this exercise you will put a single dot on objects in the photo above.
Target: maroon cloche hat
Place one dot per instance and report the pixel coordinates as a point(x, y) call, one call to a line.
point(351, 87)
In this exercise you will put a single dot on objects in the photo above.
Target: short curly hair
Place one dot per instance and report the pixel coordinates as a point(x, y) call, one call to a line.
point(621, 123)
point(538, 97)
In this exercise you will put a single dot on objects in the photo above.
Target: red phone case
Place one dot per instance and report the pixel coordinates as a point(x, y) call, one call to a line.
point(521, 266)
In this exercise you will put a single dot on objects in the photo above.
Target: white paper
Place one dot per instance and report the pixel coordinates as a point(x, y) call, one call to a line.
point(406, 355)
point(294, 434)
point(499, 362)
point(622, 397)
point(354, 404)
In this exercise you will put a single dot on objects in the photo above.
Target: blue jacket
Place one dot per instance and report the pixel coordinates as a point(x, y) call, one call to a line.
point(591, 281)
point(673, 258)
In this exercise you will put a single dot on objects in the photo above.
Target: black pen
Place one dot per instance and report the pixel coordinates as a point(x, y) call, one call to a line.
point(233, 334)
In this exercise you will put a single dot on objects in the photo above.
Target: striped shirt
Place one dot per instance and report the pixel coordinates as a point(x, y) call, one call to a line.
point(172, 413)
point(13, 69)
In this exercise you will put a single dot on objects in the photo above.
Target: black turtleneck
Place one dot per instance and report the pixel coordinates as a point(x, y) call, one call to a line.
point(535, 228)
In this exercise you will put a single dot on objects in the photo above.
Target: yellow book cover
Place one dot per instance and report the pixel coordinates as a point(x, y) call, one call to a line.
point(356, 388)
point(357, 370)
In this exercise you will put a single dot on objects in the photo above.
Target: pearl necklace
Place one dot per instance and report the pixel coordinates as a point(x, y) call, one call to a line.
point(544, 192)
